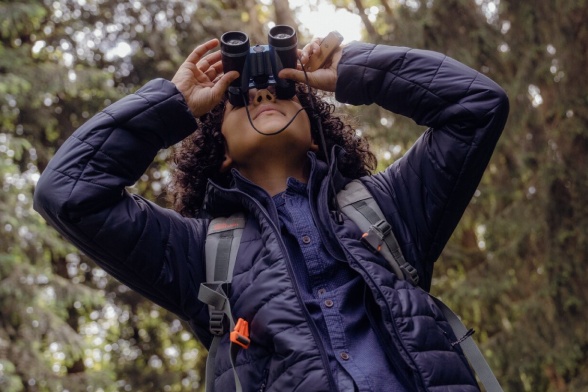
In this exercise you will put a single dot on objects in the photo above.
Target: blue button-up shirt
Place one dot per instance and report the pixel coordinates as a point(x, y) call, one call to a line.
point(334, 296)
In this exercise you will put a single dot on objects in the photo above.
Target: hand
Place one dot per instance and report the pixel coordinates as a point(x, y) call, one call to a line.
point(200, 79)
point(324, 78)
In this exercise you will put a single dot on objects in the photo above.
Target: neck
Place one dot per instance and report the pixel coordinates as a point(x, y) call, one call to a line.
point(273, 177)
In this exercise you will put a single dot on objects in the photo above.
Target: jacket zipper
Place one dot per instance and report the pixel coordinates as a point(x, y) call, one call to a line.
point(350, 257)
point(263, 385)
point(401, 345)
point(309, 320)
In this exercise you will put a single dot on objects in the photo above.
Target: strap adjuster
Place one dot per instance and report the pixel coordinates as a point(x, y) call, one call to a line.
point(410, 273)
point(217, 322)
point(375, 235)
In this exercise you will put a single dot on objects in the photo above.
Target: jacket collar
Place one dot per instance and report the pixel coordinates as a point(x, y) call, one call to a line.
point(242, 193)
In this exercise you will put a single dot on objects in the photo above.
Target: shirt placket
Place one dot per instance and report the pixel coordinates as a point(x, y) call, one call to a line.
point(317, 266)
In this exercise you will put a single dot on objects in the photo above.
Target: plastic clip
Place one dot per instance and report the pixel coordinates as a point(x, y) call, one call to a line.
point(469, 333)
point(375, 235)
point(240, 334)
point(217, 322)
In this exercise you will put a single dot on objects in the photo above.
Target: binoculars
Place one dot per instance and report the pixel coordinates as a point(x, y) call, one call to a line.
point(258, 66)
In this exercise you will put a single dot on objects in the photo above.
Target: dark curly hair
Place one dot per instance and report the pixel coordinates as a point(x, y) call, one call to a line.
point(198, 158)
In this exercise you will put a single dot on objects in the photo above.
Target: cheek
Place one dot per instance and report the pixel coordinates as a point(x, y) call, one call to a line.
point(230, 128)
point(303, 121)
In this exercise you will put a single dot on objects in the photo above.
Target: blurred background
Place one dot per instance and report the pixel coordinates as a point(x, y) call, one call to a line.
point(514, 268)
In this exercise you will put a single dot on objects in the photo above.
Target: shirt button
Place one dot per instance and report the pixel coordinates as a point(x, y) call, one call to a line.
point(344, 356)
point(306, 239)
point(329, 303)
point(322, 291)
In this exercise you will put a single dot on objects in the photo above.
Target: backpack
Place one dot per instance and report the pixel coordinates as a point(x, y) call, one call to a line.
point(222, 243)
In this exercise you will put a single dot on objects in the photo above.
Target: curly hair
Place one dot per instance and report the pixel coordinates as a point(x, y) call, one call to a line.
point(198, 158)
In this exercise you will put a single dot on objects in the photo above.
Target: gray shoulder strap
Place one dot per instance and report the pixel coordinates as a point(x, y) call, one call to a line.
point(469, 348)
point(222, 244)
point(359, 205)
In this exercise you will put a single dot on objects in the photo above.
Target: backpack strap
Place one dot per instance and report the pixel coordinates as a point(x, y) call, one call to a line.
point(360, 206)
point(469, 348)
point(222, 243)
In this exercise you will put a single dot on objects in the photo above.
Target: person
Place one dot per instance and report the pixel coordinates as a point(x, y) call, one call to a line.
point(324, 312)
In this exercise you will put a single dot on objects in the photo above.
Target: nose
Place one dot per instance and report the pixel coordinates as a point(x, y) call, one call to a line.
point(263, 96)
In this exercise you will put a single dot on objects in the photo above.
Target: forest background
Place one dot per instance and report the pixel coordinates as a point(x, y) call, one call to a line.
point(513, 269)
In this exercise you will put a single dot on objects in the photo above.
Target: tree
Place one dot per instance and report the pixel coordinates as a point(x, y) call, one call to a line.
point(64, 324)
point(513, 268)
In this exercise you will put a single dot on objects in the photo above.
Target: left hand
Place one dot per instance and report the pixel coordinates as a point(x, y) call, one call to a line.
point(201, 80)
point(324, 78)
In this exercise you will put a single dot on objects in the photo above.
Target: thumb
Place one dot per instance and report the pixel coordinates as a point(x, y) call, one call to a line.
point(292, 74)
point(321, 79)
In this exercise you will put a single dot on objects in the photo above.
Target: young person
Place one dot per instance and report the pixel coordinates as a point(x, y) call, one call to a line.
point(324, 312)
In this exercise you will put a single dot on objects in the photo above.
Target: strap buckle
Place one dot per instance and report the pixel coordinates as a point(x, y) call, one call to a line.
point(217, 322)
point(375, 235)
point(240, 335)
point(410, 273)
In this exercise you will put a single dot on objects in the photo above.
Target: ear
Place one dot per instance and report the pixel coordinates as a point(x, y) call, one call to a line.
point(226, 165)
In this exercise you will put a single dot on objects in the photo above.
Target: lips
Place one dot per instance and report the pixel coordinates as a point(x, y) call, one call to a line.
point(266, 108)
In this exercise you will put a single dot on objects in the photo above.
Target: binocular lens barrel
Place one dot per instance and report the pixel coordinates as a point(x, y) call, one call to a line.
point(234, 50)
point(259, 65)
point(234, 43)
point(283, 40)
point(282, 37)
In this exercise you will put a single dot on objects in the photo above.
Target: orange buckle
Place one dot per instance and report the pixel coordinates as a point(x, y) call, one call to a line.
point(240, 334)
point(367, 238)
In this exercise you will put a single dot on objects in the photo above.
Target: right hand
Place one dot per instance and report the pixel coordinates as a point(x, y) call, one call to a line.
point(201, 80)
point(324, 78)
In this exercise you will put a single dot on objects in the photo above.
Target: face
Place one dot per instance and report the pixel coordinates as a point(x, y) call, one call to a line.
point(246, 146)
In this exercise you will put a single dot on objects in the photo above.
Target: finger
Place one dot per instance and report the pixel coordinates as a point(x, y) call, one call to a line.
point(310, 49)
point(201, 50)
point(218, 66)
point(292, 74)
point(213, 70)
point(223, 83)
point(203, 65)
point(211, 73)
point(209, 59)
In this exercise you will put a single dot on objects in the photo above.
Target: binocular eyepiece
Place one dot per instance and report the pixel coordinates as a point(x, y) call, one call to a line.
point(258, 66)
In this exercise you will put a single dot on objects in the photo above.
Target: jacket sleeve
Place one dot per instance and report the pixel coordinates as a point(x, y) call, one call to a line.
point(425, 193)
point(82, 194)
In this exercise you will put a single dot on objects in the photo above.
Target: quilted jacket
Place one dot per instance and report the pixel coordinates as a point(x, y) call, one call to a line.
point(160, 254)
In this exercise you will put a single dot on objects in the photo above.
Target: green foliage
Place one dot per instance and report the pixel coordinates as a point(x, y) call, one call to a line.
point(513, 269)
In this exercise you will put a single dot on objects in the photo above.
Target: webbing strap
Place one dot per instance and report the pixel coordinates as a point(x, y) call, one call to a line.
point(222, 244)
point(214, 295)
point(470, 349)
point(209, 375)
point(381, 231)
point(366, 210)
point(359, 205)
point(223, 255)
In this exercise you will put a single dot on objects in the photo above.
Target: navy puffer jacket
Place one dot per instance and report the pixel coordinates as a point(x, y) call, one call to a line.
point(160, 254)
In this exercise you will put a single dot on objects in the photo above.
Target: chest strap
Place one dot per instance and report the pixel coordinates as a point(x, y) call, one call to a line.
point(359, 205)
